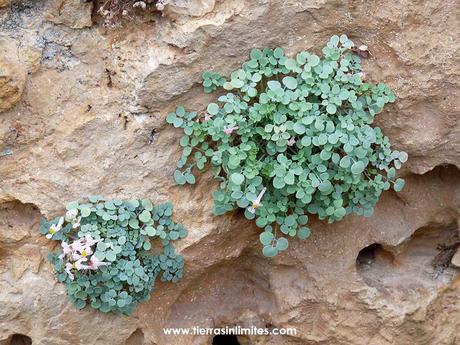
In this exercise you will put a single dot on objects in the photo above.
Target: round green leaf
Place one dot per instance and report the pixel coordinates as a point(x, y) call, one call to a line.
point(399, 185)
point(357, 167)
point(145, 216)
point(110, 255)
point(299, 128)
point(269, 251)
point(303, 233)
point(282, 243)
point(179, 177)
point(266, 237)
point(237, 178)
point(290, 82)
point(345, 162)
point(213, 109)
point(331, 108)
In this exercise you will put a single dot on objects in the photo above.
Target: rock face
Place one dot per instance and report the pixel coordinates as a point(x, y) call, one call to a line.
point(12, 80)
point(73, 13)
point(91, 120)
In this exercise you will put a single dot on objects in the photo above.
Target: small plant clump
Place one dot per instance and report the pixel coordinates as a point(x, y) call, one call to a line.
point(289, 137)
point(114, 10)
point(106, 258)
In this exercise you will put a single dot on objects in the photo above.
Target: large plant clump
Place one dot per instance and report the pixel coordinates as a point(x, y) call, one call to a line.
point(292, 137)
point(108, 258)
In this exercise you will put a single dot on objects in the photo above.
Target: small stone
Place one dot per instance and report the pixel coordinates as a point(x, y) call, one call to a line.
point(456, 258)
point(12, 80)
point(31, 58)
point(193, 8)
point(72, 13)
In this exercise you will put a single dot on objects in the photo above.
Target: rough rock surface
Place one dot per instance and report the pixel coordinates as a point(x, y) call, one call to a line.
point(91, 121)
point(12, 80)
point(73, 13)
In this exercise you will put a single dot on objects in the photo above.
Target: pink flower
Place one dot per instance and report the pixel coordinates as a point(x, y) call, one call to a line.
point(68, 267)
point(66, 250)
point(76, 245)
point(88, 241)
point(82, 252)
point(257, 201)
point(229, 130)
point(95, 263)
point(291, 141)
point(79, 264)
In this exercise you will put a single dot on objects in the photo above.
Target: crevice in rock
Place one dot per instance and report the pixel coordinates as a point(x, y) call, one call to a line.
point(136, 338)
point(18, 339)
point(372, 255)
point(225, 339)
point(416, 267)
point(213, 294)
point(18, 234)
point(16, 221)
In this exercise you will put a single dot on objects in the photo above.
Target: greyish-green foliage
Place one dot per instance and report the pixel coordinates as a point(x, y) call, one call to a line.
point(292, 137)
point(109, 258)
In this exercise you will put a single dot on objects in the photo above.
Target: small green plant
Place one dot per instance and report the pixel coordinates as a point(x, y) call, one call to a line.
point(292, 137)
point(106, 258)
point(113, 11)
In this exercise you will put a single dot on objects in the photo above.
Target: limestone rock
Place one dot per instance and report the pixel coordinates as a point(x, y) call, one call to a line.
point(12, 80)
point(195, 8)
point(72, 13)
point(92, 121)
point(456, 258)
point(31, 58)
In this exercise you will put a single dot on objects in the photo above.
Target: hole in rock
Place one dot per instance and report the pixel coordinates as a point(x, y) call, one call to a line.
point(413, 269)
point(374, 254)
point(225, 339)
point(136, 338)
point(20, 339)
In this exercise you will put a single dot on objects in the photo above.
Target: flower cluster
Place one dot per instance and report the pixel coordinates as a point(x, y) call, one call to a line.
point(291, 136)
point(106, 257)
point(78, 256)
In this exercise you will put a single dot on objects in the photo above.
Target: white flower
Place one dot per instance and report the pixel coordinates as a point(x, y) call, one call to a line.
point(71, 214)
point(256, 203)
point(55, 228)
point(76, 223)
